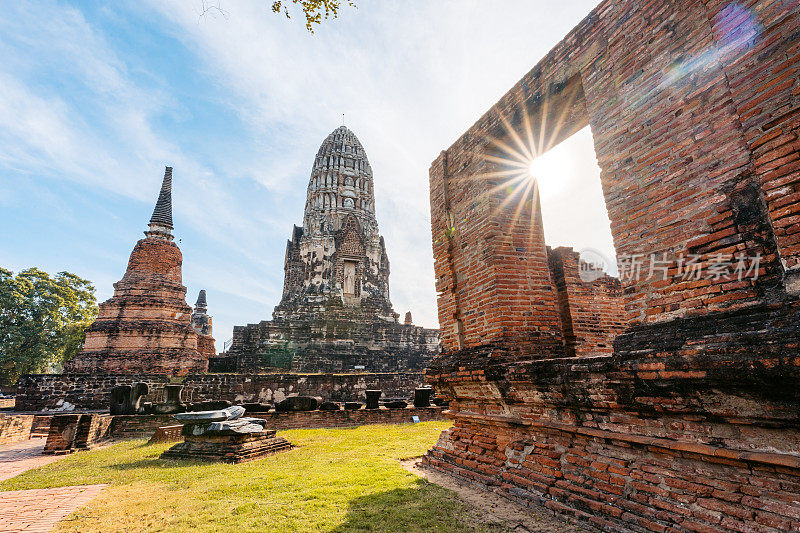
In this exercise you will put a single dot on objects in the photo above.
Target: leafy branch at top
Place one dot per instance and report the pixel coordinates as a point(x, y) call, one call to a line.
point(315, 10)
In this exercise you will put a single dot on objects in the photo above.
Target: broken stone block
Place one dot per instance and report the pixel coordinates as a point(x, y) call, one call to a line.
point(330, 406)
point(353, 406)
point(202, 416)
point(373, 398)
point(232, 427)
point(297, 403)
point(210, 405)
point(256, 407)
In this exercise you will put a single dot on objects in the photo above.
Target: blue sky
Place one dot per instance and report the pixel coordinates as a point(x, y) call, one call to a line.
point(97, 97)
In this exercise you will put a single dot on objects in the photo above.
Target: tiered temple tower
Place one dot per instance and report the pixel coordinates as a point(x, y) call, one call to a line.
point(202, 324)
point(146, 328)
point(335, 313)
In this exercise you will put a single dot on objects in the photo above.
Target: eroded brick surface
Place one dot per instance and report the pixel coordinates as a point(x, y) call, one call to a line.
point(15, 428)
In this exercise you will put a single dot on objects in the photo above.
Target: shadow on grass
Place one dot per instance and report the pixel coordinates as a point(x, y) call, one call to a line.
point(154, 462)
point(423, 507)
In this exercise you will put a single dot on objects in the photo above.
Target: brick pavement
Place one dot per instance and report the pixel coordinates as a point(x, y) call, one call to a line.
point(21, 456)
point(36, 510)
point(39, 510)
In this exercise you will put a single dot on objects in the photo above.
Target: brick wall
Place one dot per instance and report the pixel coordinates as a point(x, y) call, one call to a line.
point(43, 391)
point(690, 422)
point(677, 173)
point(276, 387)
point(85, 391)
point(129, 426)
point(15, 428)
point(81, 431)
point(760, 60)
point(592, 312)
point(681, 443)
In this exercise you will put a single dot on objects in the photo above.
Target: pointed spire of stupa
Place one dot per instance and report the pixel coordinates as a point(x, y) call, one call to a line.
point(161, 221)
point(201, 301)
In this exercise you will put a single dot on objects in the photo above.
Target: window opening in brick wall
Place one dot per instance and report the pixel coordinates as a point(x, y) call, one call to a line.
point(573, 207)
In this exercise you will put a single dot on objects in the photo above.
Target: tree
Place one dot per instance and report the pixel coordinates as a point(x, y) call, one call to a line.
point(42, 320)
point(315, 10)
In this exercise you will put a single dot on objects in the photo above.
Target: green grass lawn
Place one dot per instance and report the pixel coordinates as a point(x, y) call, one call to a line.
point(334, 480)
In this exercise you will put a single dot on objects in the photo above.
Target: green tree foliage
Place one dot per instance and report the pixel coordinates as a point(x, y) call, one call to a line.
point(315, 10)
point(42, 320)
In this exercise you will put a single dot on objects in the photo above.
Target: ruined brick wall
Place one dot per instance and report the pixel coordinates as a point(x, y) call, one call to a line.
point(275, 387)
point(70, 432)
point(478, 265)
point(763, 82)
point(15, 428)
point(89, 391)
point(592, 312)
point(36, 392)
point(137, 426)
point(690, 424)
point(676, 169)
point(205, 346)
point(337, 339)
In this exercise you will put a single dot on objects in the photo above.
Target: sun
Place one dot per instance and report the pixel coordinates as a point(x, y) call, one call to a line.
point(536, 169)
point(550, 170)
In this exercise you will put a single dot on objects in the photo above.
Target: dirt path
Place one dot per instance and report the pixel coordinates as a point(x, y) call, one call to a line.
point(493, 510)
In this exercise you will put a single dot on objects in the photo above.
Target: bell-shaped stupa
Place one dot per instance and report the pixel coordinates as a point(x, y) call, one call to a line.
point(145, 328)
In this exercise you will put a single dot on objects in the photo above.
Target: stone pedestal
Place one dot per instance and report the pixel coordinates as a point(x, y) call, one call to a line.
point(373, 398)
point(225, 436)
point(228, 448)
point(126, 399)
point(172, 403)
point(422, 397)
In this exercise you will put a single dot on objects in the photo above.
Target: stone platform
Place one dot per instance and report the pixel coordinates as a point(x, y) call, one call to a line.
point(228, 448)
point(226, 436)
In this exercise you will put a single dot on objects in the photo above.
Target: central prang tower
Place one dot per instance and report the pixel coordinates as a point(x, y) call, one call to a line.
point(338, 253)
point(335, 313)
